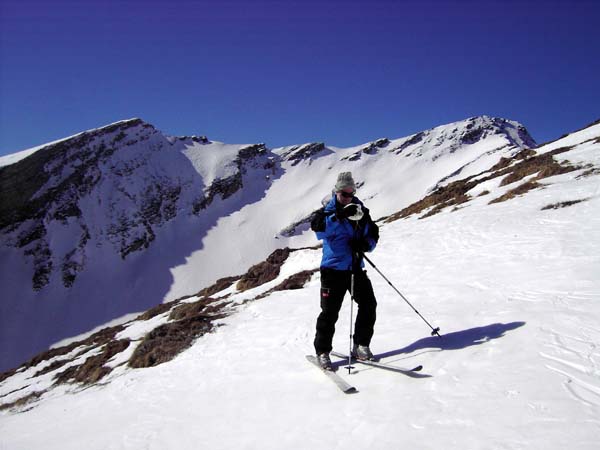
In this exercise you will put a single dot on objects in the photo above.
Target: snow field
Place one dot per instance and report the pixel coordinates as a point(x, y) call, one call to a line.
point(513, 288)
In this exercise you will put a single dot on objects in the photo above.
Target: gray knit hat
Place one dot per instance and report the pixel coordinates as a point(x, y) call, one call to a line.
point(344, 181)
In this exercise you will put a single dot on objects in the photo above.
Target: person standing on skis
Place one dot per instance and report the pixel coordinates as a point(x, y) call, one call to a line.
point(347, 231)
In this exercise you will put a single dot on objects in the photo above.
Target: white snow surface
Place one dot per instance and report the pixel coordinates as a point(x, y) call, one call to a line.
point(514, 288)
point(212, 161)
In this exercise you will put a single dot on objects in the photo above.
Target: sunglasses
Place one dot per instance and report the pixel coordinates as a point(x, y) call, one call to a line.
point(347, 194)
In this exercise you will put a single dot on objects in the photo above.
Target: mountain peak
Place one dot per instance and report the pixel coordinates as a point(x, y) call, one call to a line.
point(299, 153)
point(513, 130)
point(476, 128)
point(81, 137)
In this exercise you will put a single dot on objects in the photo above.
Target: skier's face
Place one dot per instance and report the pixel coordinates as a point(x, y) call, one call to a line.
point(344, 197)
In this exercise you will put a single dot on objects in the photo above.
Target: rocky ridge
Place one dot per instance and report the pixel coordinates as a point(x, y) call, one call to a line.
point(126, 172)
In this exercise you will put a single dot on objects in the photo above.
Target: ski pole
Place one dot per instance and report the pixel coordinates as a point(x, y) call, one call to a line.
point(351, 317)
point(436, 331)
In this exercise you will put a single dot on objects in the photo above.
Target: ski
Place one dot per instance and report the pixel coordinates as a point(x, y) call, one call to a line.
point(342, 384)
point(403, 370)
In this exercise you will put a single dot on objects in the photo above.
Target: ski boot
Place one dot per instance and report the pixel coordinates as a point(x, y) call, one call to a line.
point(324, 361)
point(362, 352)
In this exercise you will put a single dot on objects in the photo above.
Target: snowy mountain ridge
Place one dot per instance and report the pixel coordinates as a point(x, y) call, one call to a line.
point(162, 216)
point(510, 279)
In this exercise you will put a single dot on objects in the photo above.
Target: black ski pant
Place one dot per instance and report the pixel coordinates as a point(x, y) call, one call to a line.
point(334, 285)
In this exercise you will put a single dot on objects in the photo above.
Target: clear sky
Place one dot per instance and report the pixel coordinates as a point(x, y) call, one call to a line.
point(287, 72)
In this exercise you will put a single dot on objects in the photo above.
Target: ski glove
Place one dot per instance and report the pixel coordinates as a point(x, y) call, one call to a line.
point(318, 220)
point(360, 245)
point(373, 231)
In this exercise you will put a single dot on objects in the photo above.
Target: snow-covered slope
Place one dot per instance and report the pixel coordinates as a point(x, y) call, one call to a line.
point(392, 174)
point(115, 220)
point(92, 225)
point(513, 285)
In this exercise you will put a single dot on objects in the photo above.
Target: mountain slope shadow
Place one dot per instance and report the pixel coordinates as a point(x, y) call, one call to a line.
point(458, 340)
point(115, 283)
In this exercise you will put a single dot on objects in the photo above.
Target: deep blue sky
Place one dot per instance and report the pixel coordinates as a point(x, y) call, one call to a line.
point(288, 72)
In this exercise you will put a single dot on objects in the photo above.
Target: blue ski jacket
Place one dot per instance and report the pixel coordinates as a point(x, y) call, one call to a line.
point(337, 235)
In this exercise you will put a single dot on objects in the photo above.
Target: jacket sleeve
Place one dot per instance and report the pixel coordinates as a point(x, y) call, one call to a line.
point(371, 234)
point(329, 227)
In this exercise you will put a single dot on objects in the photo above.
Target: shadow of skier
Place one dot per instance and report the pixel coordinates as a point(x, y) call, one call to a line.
point(458, 339)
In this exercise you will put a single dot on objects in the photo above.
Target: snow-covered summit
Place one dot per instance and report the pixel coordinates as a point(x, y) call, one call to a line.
point(449, 138)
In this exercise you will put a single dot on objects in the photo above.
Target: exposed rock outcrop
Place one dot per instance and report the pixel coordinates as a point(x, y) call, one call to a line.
point(300, 153)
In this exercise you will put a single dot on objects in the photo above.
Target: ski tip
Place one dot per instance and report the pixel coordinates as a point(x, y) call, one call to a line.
point(417, 369)
point(351, 390)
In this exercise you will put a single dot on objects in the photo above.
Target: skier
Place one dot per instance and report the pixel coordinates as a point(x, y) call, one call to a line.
point(347, 231)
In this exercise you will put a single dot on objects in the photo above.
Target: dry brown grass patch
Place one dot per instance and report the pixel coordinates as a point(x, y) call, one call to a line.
point(204, 306)
point(564, 204)
point(265, 271)
point(519, 190)
point(591, 171)
point(220, 285)
point(296, 281)
point(544, 165)
point(93, 369)
point(22, 401)
point(455, 193)
point(505, 162)
point(97, 339)
point(52, 367)
point(166, 341)
point(157, 310)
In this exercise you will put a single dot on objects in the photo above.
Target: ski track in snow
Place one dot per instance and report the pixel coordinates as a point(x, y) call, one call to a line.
point(576, 358)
